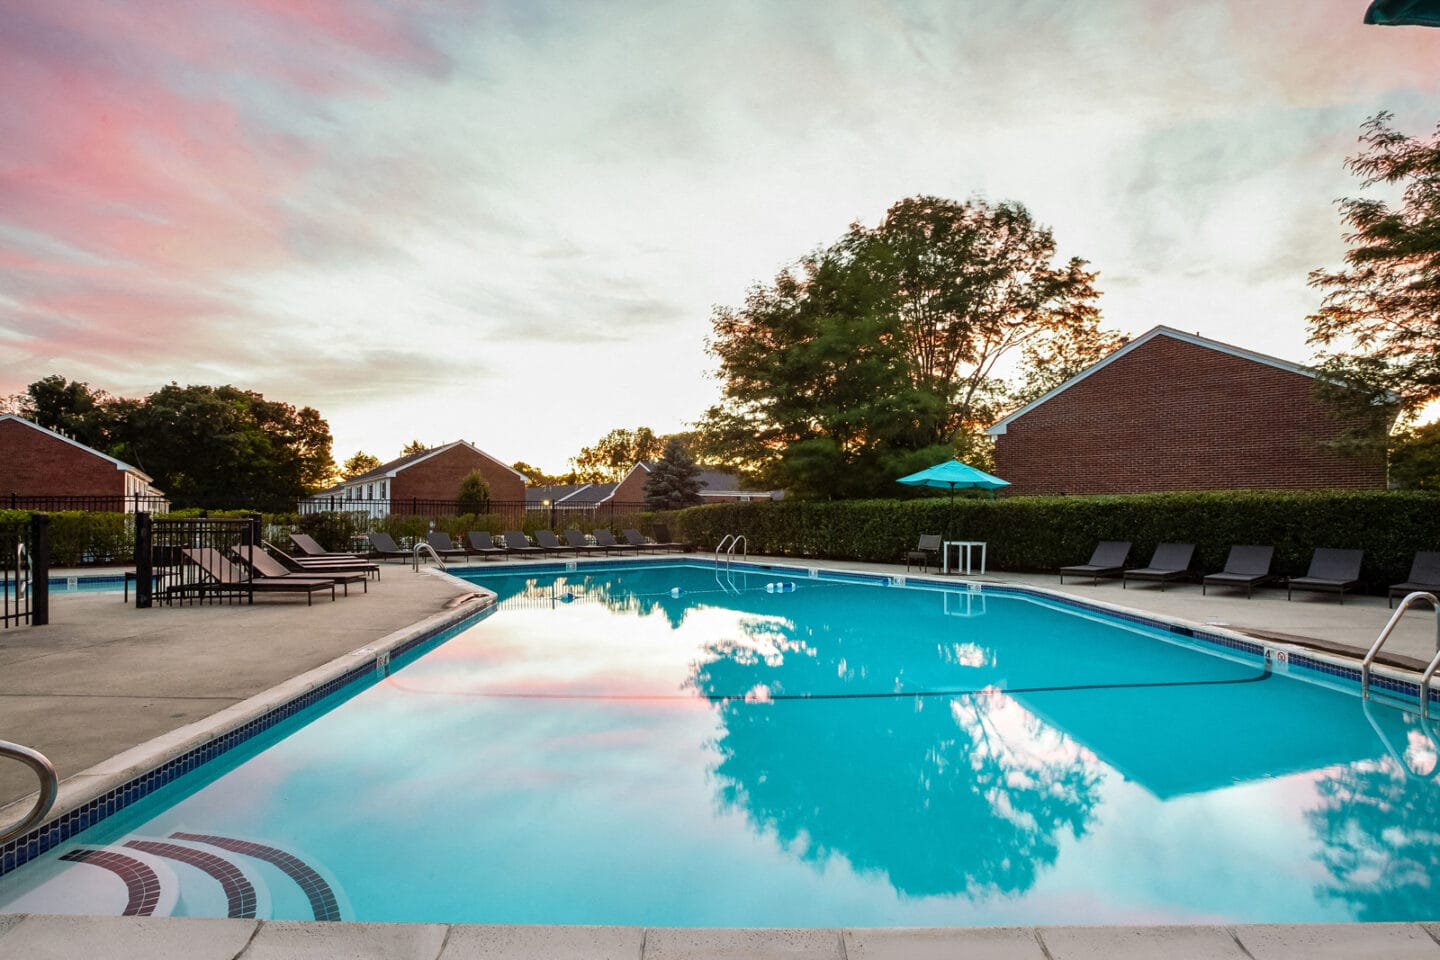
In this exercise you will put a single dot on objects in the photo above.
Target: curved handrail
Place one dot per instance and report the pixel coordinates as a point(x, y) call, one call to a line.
point(49, 785)
point(1389, 628)
point(422, 545)
point(22, 567)
point(724, 542)
point(730, 554)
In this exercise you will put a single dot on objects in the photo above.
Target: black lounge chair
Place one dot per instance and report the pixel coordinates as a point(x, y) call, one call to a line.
point(382, 545)
point(1330, 570)
point(926, 552)
point(1246, 566)
point(603, 537)
point(481, 543)
point(545, 540)
point(1108, 560)
point(662, 534)
point(446, 548)
point(641, 542)
point(1424, 576)
point(1171, 561)
point(267, 567)
point(226, 577)
point(517, 542)
point(580, 545)
point(322, 565)
point(308, 547)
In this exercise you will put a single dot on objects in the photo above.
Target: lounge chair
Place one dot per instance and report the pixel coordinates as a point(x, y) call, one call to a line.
point(603, 537)
point(1246, 566)
point(337, 564)
point(641, 542)
point(308, 547)
point(382, 545)
point(545, 540)
point(517, 542)
point(226, 577)
point(267, 567)
point(580, 545)
point(1171, 561)
point(481, 543)
point(662, 534)
point(1424, 575)
point(446, 548)
point(1330, 570)
point(926, 552)
point(1108, 560)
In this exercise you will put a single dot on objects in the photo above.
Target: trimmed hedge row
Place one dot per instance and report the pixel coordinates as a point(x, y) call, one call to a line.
point(1046, 533)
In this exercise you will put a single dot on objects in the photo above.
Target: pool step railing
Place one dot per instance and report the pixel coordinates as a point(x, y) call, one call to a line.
point(1389, 628)
point(729, 543)
point(49, 786)
point(424, 547)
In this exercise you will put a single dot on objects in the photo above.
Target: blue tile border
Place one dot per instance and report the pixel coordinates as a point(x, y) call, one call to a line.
point(47, 836)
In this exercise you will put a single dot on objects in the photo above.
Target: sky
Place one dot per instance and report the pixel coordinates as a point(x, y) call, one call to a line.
point(510, 222)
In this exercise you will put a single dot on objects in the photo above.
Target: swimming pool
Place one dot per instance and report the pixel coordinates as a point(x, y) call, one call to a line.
point(664, 744)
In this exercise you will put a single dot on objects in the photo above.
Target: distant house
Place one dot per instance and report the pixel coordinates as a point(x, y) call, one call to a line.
point(417, 481)
point(41, 469)
point(569, 497)
point(714, 488)
point(1175, 411)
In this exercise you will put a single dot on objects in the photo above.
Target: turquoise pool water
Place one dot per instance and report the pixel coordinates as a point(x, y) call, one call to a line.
point(843, 754)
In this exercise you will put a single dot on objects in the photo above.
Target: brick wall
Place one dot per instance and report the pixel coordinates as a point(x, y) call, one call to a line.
point(438, 477)
point(631, 491)
point(1172, 415)
point(36, 464)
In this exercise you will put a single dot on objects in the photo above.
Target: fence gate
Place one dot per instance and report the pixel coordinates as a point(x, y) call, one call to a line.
point(25, 572)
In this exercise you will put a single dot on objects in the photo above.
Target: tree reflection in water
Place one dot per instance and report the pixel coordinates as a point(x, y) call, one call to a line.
point(1379, 831)
point(965, 794)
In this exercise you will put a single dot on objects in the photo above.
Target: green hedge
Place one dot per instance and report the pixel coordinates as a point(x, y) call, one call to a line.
point(1045, 533)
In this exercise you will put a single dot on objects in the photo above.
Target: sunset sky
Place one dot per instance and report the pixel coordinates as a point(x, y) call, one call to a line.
point(509, 221)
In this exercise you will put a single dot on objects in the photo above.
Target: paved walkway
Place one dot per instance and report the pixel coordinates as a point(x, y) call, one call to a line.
point(103, 678)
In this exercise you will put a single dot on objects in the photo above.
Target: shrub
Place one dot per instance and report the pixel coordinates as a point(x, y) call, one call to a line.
point(1045, 533)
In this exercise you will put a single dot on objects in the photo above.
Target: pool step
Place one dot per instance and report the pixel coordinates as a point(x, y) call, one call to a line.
point(188, 874)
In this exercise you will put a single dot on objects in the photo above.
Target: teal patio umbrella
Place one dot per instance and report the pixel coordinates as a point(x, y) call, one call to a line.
point(953, 475)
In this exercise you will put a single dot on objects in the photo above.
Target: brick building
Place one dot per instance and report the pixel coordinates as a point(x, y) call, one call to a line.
point(429, 476)
point(1174, 411)
point(39, 465)
point(714, 488)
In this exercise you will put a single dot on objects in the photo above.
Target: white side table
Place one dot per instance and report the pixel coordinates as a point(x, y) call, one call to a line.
point(966, 548)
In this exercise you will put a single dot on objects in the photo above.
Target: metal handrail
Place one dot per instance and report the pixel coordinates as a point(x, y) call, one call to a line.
point(22, 571)
point(744, 554)
point(49, 785)
point(1389, 628)
point(422, 545)
point(724, 542)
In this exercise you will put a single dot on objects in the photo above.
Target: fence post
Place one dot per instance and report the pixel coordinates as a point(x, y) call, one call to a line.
point(40, 569)
point(144, 554)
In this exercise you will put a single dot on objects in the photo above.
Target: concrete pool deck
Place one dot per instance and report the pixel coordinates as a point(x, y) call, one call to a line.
point(104, 678)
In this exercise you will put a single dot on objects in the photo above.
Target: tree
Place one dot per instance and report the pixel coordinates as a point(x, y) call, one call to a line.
point(226, 447)
point(1415, 457)
point(674, 480)
point(612, 456)
point(474, 492)
point(69, 407)
point(1378, 326)
point(413, 447)
point(876, 356)
point(361, 462)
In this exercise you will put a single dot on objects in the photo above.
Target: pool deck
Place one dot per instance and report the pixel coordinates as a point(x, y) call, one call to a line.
point(105, 688)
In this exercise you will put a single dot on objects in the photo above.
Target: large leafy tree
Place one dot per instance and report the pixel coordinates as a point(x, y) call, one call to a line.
point(361, 462)
point(1378, 327)
point(69, 407)
point(610, 457)
point(879, 354)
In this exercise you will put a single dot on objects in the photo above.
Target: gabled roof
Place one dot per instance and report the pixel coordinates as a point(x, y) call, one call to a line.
point(1000, 426)
point(405, 462)
point(716, 484)
point(569, 494)
point(119, 464)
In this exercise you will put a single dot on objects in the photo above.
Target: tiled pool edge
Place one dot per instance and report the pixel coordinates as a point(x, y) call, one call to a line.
point(93, 794)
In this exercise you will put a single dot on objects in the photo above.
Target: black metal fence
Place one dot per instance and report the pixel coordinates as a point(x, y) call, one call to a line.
point(192, 560)
point(25, 572)
point(97, 503)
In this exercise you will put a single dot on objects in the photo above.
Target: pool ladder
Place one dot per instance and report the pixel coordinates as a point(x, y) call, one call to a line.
point(423, 547)
point(49, 786)
point(1430, 669)
point(731, 541)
